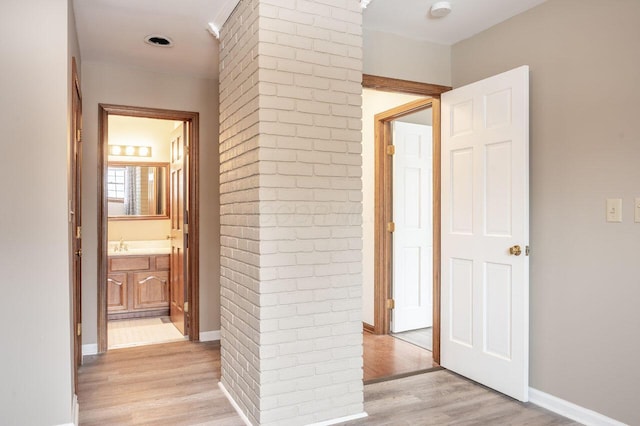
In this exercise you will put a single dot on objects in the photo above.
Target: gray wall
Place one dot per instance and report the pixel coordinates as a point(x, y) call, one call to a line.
point(36, 357)
point(585, 147)
point(390, 55)
point(118, 84)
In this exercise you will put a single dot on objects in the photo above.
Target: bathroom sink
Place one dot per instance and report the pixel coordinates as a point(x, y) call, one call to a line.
point(136, 248)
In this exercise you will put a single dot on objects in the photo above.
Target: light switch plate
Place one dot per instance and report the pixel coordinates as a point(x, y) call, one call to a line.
point(614, 209)
point(636, 209)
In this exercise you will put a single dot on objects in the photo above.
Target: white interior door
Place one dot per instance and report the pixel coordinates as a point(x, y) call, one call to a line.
point(413, 235)
point(485, 206)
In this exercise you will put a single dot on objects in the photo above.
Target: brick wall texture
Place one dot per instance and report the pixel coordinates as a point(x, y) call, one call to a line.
point(291, 208)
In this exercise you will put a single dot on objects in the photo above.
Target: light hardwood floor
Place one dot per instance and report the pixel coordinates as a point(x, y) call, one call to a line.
point(177, 384)
point(444, 398)
point(166, 384)
point(386, 357)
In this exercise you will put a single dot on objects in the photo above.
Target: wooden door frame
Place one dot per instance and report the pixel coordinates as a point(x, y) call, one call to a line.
point(193, 209)
point(383, 206)
point(75, 193)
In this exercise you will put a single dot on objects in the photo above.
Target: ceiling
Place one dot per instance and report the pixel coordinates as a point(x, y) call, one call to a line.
point(114, 30)
point(411, 18)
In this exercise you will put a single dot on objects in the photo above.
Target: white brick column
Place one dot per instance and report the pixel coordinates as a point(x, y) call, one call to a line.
point(291, 207)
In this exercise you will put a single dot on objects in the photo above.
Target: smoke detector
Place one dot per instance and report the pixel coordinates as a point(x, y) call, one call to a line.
point(440, 9)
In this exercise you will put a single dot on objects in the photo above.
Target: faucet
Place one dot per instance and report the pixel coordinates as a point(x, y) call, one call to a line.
point(122, 246)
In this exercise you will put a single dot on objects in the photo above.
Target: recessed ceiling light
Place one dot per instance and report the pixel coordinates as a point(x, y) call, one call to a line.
point(158, 40)
point(440, 9)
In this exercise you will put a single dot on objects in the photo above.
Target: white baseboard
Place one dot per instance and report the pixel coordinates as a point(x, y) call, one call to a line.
point(209, 336)
point(570, 410)
point(235, 406)
point(75, 412)
point(89, 349)
point(246, 421)
point(340, 419)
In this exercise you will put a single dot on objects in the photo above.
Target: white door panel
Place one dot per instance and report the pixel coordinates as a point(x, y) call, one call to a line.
point(485, 205)
point(413, 235)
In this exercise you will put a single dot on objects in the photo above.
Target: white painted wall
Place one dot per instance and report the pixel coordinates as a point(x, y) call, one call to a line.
point(373, 102)
point(36, 357)
point(123, 85)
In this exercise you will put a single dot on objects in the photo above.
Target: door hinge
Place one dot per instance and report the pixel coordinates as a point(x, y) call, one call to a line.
point(391, 304)
point(78, 135)
point(391, 149)
point(185, 228)
point(526, 250)
point(186, 306)
point(186, 150)
point(79, 329)
point(391, 227)
point(78, 232)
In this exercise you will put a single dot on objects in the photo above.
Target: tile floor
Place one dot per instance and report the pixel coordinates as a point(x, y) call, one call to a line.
point(141, 331)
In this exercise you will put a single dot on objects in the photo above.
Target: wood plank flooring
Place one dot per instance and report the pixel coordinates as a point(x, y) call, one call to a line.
point(167, 384)
point(386, 357)
point(444, 398)
point(177, 384)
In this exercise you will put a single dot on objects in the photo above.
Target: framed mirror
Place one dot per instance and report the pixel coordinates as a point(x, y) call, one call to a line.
point(137, 190)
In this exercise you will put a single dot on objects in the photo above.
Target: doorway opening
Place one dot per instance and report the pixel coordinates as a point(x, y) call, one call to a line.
point(148, 227)
point(401, 322)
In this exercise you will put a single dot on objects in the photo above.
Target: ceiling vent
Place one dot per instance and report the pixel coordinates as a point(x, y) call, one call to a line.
point(158, 40)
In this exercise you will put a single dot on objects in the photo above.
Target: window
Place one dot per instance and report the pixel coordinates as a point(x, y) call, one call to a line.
point(115, 183)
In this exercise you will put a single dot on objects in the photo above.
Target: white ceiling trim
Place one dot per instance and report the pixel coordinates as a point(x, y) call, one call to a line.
point(223, 14)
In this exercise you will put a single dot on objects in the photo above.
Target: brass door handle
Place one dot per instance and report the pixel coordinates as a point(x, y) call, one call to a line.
point(515, 250)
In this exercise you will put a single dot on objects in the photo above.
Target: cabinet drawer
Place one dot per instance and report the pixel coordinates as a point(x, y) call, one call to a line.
point(162, 262)
point(129, 263)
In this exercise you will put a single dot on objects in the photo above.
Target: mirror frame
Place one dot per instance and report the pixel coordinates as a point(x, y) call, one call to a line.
point(166, 189)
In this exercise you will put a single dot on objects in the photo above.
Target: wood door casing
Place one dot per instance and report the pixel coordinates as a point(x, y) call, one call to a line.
point(75, 215)
point(192, 209)
point(177, 184)
point(384, 214)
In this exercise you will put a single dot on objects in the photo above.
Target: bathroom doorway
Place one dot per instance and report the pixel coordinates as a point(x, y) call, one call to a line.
point(148, 227)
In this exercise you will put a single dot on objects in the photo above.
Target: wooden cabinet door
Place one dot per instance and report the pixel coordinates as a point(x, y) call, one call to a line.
point(151, 289)
point(117, 292)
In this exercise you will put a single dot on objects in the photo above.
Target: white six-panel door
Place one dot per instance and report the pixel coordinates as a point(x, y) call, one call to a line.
point(485, 206)
point(413, 235)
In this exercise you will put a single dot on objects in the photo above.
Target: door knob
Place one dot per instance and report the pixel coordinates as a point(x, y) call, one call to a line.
point(515, 250)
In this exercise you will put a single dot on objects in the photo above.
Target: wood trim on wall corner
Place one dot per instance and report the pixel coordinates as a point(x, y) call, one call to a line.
point(368, 328)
